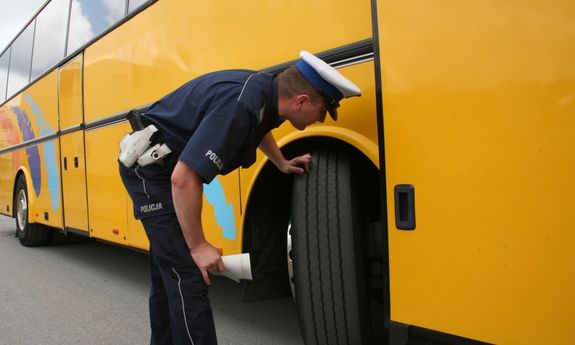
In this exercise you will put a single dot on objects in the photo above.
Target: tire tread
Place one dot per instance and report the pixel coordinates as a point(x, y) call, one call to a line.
point(323, 225)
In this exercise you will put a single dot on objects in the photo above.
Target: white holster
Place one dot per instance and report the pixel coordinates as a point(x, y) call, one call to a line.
point(136, 147)
point(153, 154)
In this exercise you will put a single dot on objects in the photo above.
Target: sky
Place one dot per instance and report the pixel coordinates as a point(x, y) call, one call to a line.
point(15, 14)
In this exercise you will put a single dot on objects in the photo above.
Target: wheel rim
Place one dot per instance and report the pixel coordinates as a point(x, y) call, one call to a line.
point(22, 210)
point(290, 261)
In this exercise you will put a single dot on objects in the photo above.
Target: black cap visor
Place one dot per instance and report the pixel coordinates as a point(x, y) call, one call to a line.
point(331, 106)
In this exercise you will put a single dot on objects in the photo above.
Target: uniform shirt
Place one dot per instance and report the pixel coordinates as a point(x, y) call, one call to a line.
point(214, 123)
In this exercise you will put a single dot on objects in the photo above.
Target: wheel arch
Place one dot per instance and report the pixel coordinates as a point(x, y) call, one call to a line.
point(22, 171)
point(316, 138)
point(269, 183)
point(313, 139)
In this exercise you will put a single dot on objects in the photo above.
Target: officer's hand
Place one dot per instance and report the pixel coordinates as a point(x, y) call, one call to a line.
point(208, 259)
point(298, 165)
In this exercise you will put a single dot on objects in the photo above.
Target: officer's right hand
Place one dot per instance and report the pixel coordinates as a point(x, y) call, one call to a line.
point(297, 165)
point(208, 259)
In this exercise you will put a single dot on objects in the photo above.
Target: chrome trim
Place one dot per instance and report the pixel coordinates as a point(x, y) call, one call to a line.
point(31, 143)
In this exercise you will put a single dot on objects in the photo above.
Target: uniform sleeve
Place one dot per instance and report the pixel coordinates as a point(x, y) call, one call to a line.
point(216, 142)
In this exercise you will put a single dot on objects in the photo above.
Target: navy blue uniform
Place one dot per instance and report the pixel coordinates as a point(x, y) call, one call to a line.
point(214, 125)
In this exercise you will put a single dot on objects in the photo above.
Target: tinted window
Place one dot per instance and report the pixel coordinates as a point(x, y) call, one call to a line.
point(90, 18)
point(50, 39)
point(4, 60)
point(21, 60)
point(135, 4)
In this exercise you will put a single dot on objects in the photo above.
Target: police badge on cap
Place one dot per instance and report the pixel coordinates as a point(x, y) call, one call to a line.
point(331, 84)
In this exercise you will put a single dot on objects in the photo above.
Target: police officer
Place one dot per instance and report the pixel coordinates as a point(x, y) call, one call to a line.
point(213, 124)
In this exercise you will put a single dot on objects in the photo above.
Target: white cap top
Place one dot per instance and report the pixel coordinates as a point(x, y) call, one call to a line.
point(326, 80)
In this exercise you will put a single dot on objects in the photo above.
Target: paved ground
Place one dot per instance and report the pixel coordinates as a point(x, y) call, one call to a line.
point(94, 293)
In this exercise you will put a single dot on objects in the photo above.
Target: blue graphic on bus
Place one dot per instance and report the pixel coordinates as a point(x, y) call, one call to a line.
point(49, 154)
point(223, 210)
point(31, 151)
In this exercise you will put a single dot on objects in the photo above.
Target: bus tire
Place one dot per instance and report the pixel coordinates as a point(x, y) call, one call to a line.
point(29, 234)
point(325, 226)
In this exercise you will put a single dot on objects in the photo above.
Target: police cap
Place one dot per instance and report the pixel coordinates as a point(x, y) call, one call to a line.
point(331, 84)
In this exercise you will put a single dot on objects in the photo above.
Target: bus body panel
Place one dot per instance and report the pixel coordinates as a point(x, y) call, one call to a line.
point(70, 96)
point(221, 213)
point(8, 137)
point(74, 181)
point(33, 115)
point(107, 197)
point(73, 160)
point(478, 116)
point(42, 100)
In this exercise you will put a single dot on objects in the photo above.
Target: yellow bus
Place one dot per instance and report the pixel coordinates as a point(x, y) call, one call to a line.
point(437, 207)
point(70, 76)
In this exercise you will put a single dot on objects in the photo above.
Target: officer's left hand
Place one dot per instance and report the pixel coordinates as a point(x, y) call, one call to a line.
point(297, 165)
point(208, 259)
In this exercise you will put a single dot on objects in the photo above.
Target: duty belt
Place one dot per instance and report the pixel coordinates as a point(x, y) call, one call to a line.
point(142, 144)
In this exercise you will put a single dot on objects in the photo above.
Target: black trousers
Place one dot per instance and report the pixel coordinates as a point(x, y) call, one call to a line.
point(180, 311)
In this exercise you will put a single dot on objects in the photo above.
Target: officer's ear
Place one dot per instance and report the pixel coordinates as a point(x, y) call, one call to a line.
point(300, 100)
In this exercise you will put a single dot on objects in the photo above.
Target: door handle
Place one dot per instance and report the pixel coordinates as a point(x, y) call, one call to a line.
point(65, 163)
point(404, 207)
point(76, 162)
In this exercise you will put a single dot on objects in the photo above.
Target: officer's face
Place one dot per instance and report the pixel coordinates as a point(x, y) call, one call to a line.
point(315, 112)
point(308, 113)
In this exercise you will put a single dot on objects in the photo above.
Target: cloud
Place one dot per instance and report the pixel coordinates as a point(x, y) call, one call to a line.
point(90, 18)
point(115, 10)
point(15, 14)
point(50, 36)
point(80, 28)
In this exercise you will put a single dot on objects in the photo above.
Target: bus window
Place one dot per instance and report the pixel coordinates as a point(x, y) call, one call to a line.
point(21, 60)
point(134, 4)
point(91, 18)
point(50, 38)
point(4, 61)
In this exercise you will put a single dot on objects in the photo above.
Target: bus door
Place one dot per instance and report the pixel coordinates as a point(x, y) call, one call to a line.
point(72, 142)
point(478, 126)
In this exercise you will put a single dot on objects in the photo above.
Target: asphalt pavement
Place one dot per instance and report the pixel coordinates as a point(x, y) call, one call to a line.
point(96, 293)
